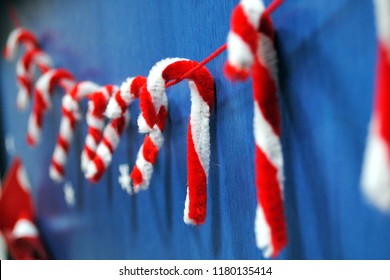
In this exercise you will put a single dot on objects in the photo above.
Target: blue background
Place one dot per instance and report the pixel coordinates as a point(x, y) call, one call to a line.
point(327, 52)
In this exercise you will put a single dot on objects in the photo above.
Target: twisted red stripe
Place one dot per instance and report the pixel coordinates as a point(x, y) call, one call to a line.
point(58, 167)
point(118, 125)
point(122, 104)
point(197, 182)
point(382, 102)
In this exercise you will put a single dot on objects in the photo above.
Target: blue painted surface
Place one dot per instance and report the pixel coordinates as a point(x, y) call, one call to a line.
point(327, 59)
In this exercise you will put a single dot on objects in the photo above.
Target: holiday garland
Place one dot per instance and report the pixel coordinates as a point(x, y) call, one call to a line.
point(250, 50)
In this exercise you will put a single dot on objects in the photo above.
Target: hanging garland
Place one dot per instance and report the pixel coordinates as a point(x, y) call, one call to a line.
point(250, 50)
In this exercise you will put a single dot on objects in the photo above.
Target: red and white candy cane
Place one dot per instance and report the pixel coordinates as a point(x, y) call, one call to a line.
point(375, 179)
point(19, 36)
point(95, 120)
point(70, 116)
point(147, 154)
point(106, 148)
point(24, 74)
point(44, 88)
point(201, 85)
point(250, 50)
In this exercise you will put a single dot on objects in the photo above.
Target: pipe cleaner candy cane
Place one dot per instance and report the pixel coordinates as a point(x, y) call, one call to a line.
point(106, 148)
point(250, 50)
point(17, 37)
point(201, 85)
point(146, 157)
point(95, 121)
point(147, 154)
point(24, 74)
point(70, 115)
point(375, 179)
point(44, 88)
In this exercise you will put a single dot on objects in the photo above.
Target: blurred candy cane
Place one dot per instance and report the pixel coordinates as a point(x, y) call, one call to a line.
point(147, 154)
point(103, 157)
point(375, 178)
point(24, 74)
point(44, 88)
point(70, 115)
point(201, 85)
point(33, 56)
point(19, 36)
point(251, 50)
point(95, 121)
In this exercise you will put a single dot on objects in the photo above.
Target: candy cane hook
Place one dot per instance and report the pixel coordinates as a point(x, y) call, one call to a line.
point(70, 116)
point(44, 88)
point(253, 51)
point(19, 36)
point(202, 100)
point(106, 148)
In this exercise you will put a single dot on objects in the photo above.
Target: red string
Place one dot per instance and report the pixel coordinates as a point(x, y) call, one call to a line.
point(202, 63)
point(273, 6)
point(269, 10)
point(12, 15)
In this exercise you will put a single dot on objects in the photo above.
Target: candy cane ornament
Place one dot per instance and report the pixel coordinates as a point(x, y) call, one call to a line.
point(19, 36)
point(250, 50)
point(95, 120)
point(44, 88)
point(201, 85)
point(375, 180)
point(70, 116)
point(24, 74)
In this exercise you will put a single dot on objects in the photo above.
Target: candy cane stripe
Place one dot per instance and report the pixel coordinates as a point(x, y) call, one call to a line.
point(375, 179)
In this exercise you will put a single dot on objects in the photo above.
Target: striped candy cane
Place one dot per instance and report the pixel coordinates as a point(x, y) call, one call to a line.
point(106, 148)
point(250, 50)
point(95, 121)
point(24, 74)
point(44, 88)
point(19, 36)
point(202, 99)
point(70, 116)
point(146, 157)
point(375, 179)
point(147, 154)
